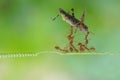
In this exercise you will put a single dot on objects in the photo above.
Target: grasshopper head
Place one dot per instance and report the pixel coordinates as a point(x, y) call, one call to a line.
point(63, 13)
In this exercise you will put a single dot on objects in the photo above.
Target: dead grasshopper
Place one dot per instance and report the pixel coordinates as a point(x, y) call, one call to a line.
point(75, 23)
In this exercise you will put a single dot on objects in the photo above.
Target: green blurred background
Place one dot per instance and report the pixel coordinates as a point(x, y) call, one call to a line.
point(27, 26)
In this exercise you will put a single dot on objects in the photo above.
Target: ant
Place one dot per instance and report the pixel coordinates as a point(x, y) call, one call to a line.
point(75, 23)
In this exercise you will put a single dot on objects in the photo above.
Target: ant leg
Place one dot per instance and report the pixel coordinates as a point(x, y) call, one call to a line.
point(73, 12)
point(86, 48)
point(63, 50)
point(86, 42)
point(83, 47)
point(86, 39)
point(92, 48)
point(71, 45)
point(71, 40)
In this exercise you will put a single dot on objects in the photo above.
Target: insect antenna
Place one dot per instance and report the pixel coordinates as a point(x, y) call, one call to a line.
point(55, 17)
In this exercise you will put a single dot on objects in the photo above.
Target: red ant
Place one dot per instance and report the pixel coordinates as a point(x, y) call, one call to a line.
point(70, 19)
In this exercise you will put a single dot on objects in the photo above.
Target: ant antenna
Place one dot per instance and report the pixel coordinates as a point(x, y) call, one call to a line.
point(55, 17)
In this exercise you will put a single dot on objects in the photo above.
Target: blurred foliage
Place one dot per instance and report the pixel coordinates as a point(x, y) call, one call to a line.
point(27, 26)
